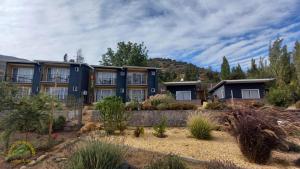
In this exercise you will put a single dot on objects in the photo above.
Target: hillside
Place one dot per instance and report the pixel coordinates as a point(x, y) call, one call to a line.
point(3, 60)
point(173, 70)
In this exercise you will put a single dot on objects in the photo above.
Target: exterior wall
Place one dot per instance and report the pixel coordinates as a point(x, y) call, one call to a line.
point(220, 92)
point(37, 75)
point(121, 83)
point(236, 89)
point(191, 88)
point(152, 82)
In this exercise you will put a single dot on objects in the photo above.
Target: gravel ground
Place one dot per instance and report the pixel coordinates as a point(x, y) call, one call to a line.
point(221, 147)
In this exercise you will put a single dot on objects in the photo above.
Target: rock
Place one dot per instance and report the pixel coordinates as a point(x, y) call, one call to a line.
point(33, 162)
point(59, 159)
point(42, 157)
point(23, 167)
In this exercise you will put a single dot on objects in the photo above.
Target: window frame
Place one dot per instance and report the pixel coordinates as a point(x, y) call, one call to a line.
point(249, 90)
point(183, 91)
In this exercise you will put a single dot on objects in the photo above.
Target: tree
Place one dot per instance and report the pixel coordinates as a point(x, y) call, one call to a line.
point(191, 73)
point(130, 54)
point(8, 96)
point(237, 73)
point(296, 58)
point(253, 71)
point(225, 69)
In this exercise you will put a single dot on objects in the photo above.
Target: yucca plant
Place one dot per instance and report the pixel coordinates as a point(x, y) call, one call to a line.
point(96, 155)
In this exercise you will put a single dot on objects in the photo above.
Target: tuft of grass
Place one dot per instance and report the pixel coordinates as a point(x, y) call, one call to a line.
point(160, 128)
point(200, 126)
point(168, 162)
point(97, 155)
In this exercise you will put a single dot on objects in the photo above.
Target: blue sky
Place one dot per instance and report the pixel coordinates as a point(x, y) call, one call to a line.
point(196, 31)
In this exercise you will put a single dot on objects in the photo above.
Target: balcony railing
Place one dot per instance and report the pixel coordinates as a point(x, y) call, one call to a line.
point(140, 80)
point(106, 81)
point(58, 78)
point(20, 78)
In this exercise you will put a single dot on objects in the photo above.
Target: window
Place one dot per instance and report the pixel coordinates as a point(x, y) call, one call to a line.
point(24, 91)
point(122, 73)
point(22, 75)
point(153, 73)
point(60, 92)
point(250, 94)
point(77, 69)
point(136, 78)
point(106, 78)
point(183, 95)
point(60, 75)
point(102, 93)
point(152, 90)
point(137, 94)
point(75, 89)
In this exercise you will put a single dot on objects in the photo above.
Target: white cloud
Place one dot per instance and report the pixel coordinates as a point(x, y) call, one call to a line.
point(239, 29)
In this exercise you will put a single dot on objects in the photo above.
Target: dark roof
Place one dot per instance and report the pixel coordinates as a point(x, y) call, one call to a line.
point(182, 83)
point(239, 81)
point(4, 58)
point(60, 62)
point(121, 67)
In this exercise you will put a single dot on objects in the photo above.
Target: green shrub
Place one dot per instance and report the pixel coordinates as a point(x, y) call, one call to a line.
point(200, 126)
point(216, 164)
point(162, 106)
point(168, 162)
point(112, 114)
point(297, 104)
point(96, 155)
point(216, 106)
point(59, 123)
point(161, 98)
point(280, 96)
point(132, 105)
point(160, 128)
point(138, 131)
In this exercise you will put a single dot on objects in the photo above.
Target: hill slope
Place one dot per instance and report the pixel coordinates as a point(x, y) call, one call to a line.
point(173, 70)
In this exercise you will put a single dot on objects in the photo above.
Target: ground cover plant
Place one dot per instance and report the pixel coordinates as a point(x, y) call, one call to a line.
point(200, 126)
point(112, 114)
point(217, 164)
point(168, 162)
point(217, 105)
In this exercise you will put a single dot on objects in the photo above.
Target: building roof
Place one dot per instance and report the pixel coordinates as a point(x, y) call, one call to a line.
point(121, 67)
point(60, 62)
point(21, 62)
point(182, 83)
point(239, 81)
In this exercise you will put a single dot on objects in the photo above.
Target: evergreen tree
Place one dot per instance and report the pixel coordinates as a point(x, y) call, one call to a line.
point(130, 54)
point(237, 73)
point(296, 58)
point(225, 69)
point(253, 72)
point(191, 73)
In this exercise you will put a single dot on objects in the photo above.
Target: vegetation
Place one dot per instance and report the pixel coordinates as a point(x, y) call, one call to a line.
point(97, 155)
point(59, 123)
point(216, 106)
point(130, 54)
point(225, 69)
point(200, 126)
point(237, 73)
point(138, 131)
point(132, 105)
point(297, 104)
point(20, 150)
point(279, 96)
point(160, 128)
point(216, 164)
point(168, 162)
point(112, 114)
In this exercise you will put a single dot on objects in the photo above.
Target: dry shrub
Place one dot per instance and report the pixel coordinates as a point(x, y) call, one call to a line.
point(200, 126)
point(217, 164)
point(297, 104)
point(162, 106)
point(168, 162)
point(256, 135)
point(297, 162)
point(216, 106)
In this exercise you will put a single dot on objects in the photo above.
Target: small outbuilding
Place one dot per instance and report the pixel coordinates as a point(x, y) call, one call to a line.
point(241, 89)
point(185, 90)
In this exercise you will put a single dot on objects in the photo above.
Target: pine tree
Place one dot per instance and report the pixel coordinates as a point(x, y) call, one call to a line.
point(225, 69)
point(296, 58)
point(237, 73)
point(253, 71)
point(191, 72)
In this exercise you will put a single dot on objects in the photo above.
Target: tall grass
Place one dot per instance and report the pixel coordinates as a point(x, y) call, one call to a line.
point(168, 162)
point(200, 126)
point(96, 155)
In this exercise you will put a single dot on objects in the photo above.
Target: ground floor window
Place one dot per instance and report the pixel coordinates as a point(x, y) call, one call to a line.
point(60, 92)
point(24, 91)
point(137, 94)
point(183, 95)
point(102, 93)
point(250, 94)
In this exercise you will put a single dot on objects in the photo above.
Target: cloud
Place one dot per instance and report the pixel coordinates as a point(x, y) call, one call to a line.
point(197, 31)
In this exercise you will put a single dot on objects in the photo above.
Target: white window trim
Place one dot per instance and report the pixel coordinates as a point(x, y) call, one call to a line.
point(190, 98)
point(248, 90)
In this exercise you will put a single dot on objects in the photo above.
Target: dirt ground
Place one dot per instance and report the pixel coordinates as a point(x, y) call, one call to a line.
point(221, 147)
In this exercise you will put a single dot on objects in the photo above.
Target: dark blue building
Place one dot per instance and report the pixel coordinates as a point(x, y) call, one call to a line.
point(240, 89)
point(186, 90)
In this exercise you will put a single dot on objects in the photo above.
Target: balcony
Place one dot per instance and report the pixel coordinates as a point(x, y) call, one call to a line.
point(106, 81)
point(137, 79)
point(20, 78)
point(58, 78)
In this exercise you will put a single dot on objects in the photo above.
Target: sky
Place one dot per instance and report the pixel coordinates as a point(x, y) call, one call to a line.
point(196, 31)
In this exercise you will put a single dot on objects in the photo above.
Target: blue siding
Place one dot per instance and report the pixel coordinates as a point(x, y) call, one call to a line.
point(75, 80)
point(191, 88)
point(85, 81)
point(237, 89)
point(152, 82)
point(121, 83)
point(37, 75)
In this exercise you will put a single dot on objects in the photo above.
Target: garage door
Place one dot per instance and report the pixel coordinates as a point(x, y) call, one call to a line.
point(183, 95)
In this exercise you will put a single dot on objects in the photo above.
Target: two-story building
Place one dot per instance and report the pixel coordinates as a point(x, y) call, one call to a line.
point(127, 82)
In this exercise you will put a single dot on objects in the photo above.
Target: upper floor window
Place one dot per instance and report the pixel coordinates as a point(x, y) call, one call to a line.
point(22, 74)
point(60, 75)
point(136, 78)
point(106, 78)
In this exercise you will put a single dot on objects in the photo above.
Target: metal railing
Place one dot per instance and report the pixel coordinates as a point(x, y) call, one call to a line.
point(106, 81)
point(137, 80)
point(20, 78)
point(57, 78)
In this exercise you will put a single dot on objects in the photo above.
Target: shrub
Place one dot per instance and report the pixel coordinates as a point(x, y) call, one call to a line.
point(256, 136)
point(216, 106)
point(182, 106)
point(138, 131)
point(216, 164)
point(161, 98)
point(280, 96)
point(200, 126)
point(97, 155)
point(133, 105)
point(297, 162)
point(160, 128)
point(297, 104)
point(112, 114)
point(162, 106)
point(59, 123)
point(293, 147)
point(168, 162)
